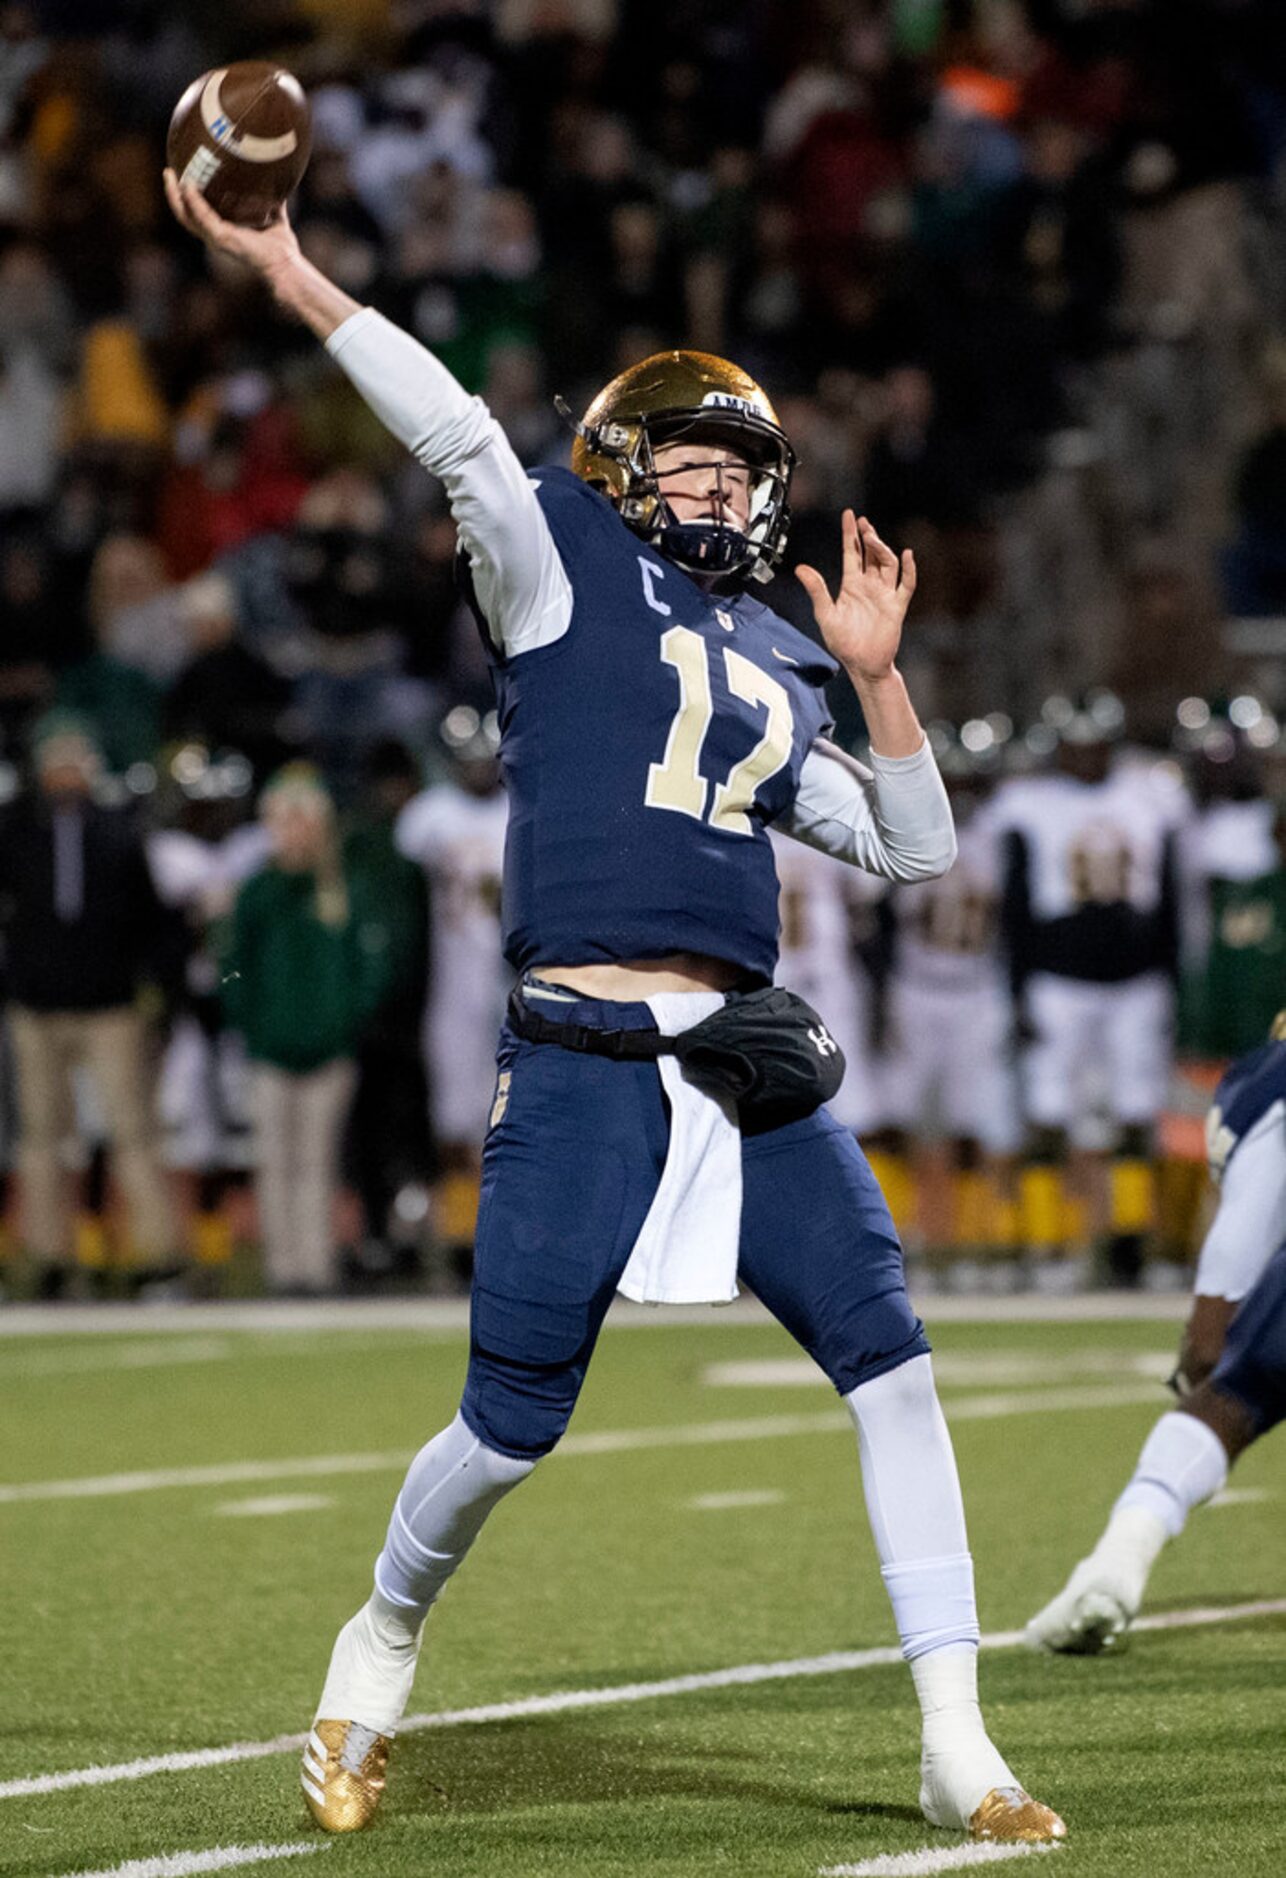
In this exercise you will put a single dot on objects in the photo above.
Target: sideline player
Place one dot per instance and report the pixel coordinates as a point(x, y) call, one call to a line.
point(826, 916)
point(455, 830)
point(654, 719)
point(950, 1016)
point(1232, 1393)
point(1091, 926)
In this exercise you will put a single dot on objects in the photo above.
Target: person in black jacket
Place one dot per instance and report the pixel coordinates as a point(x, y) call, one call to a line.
point(83, 928)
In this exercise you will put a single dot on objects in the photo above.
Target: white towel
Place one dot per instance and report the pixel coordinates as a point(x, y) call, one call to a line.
point(686, 1251)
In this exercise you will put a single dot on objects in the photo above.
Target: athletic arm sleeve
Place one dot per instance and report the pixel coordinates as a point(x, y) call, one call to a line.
point(1251, 1221)
point(519, 579)
point(892, 819)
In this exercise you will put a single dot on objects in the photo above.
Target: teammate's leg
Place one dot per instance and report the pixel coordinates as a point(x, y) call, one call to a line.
point(832, 1274)
point(1185, 1460)
point(1061, 1013)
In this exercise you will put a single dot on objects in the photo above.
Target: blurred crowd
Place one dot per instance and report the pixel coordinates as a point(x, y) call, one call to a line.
point(1012, 272)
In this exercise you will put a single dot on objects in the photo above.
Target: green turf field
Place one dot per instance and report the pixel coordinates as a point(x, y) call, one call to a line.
point(156, 1620)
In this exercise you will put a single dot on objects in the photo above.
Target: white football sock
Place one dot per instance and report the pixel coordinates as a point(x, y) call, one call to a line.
point(450, 1487)
point(917, 1520)
point(959, 1763)
point(1183, 1463)
point(913, 1502)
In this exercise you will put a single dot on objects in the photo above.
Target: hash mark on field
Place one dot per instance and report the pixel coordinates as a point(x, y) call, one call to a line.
point(930, 1859)
point(1240, 1496)
point(721, 1502)
point(268, 1503)
point(740, 1675)
point(217, 1858)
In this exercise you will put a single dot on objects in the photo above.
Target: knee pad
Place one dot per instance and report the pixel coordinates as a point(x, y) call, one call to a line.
point(519, 1410)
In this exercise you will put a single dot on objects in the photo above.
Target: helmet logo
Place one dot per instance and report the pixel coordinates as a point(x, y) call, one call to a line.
point(725, 401)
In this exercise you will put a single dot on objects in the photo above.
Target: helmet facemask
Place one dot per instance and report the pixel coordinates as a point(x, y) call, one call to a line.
point(616, 450)
point(716, 547)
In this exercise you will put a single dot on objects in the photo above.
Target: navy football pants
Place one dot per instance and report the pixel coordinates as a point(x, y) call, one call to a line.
point(569, 1169)
point(1253, 1364)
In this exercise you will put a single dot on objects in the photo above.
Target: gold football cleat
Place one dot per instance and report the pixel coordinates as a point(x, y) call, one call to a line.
point(343, 1775)
point(1009, 1815)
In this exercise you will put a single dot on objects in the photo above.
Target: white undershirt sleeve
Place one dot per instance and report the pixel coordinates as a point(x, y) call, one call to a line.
point(1251, 1221)
point(519, 579)
point(892, 819)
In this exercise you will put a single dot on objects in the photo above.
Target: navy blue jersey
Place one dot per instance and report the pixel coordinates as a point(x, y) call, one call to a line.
point(1253, 1085)
point(645, 752)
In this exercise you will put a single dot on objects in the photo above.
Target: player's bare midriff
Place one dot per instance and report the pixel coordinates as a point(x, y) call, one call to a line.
point(633, 979)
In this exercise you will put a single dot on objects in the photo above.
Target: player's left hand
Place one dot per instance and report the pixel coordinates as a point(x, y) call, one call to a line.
point(862, 624)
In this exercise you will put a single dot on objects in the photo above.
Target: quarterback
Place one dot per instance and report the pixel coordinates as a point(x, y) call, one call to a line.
point(655, 719)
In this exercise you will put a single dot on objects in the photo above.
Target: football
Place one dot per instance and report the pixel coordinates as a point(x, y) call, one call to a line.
point(241, 135)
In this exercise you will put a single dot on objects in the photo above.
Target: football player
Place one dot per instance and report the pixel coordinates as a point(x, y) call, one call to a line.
point(827, 917)
point(456, 831)
point(1231, 1379)
point(1091, 925)
point(654, 719)
point(950, 1015)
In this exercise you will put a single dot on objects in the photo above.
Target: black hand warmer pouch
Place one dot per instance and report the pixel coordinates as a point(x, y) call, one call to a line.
point(769, 1051)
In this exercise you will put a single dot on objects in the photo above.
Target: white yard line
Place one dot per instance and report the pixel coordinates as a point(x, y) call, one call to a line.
point(225, 1474)
point(267, 1504)
point(406, 1314)
point(729, 1502)
point(564, 1701)
point(956, 1368)
point(931, 1859)
point(215, 1858)
point(603, 1441)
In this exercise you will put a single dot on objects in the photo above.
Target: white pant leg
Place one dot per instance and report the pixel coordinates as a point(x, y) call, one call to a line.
point(979, 1097)
point(911, 1065)
point(322, 1101)
point(276, 1129)
point(1068, 1018)
point(1138, 1046)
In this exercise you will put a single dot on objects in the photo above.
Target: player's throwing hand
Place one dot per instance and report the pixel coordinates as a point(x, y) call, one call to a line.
point(266, 250)
point(862, 625)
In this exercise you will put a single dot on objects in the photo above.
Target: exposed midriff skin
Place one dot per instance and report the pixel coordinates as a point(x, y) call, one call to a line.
point(631, 980)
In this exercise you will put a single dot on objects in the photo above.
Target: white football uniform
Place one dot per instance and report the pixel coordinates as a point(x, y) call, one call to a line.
point(1093, 922)
point(950, 1013)
point(459, 839)
point(203, 1092)
point(824, 908)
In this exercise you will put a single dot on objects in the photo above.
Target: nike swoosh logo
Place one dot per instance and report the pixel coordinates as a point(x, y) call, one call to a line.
point(784, 658)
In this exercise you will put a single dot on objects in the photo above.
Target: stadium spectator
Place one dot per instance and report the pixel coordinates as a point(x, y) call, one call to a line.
point(83, 930)
point(1255, 563)
point(307, 967)
point(120, 704)
point(455, 831)
point(226, 696)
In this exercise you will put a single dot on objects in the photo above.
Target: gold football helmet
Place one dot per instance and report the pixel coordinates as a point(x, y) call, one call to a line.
point(681, 396)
